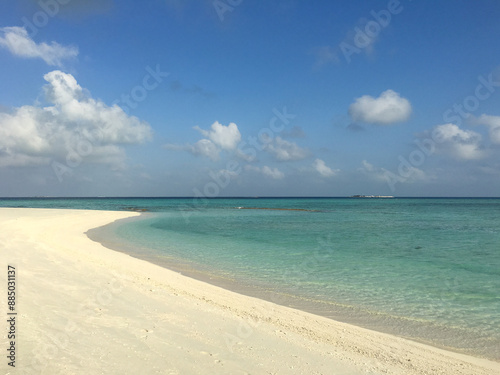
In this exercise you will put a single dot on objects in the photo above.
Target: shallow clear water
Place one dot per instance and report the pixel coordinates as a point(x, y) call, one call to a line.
point(428, 269)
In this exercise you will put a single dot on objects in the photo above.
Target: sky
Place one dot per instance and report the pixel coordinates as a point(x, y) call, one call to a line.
point(215, 98)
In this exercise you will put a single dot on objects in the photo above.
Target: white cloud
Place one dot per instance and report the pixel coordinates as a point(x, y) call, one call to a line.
point(73, 124)
point(205, 147)
point(320, 167)
point(284, 150)
point(18, 42)
point(493, 124)
point(388, 108)
point(226, 137)
point(220, 138)
point(274, 173)
point(458, 143)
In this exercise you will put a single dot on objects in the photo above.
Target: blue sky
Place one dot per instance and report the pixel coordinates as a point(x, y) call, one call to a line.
point(249, 98)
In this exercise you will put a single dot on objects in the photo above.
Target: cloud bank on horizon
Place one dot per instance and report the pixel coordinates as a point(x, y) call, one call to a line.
point(424, 129)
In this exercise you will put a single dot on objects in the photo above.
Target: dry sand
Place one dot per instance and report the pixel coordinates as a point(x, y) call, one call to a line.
point(85, 309)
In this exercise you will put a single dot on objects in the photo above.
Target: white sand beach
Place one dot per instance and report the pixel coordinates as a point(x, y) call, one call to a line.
point(85, 309)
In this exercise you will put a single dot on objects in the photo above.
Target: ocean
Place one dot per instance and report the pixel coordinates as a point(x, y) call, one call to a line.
point(426, 269)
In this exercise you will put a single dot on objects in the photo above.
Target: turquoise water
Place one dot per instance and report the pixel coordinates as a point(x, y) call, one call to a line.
point(428, 269)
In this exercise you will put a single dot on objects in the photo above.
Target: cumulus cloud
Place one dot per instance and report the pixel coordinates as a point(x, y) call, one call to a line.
point(205, 147)
point(219, 138)
point(73, 124)
point(493, 124)
point(17, 41)
point(226, 137)
point(274, 173)
point(285, 151)
point(388, 108)
point(458, 143)
point(325, 171)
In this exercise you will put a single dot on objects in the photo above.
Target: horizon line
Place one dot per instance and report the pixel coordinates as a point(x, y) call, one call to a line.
point(254, 197)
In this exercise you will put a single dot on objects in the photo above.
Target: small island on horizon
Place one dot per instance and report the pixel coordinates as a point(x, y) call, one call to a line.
point(372, 196)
